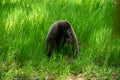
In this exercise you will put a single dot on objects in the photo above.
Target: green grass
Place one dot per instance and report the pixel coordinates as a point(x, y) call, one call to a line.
point(23, 28)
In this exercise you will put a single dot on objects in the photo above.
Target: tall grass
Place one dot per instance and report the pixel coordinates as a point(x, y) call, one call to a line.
point(23, 28)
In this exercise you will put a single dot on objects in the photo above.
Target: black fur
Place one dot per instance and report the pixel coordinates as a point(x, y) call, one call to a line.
point(60, 35)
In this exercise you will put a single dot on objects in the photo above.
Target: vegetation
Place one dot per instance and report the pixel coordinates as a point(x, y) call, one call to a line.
point(23, 28)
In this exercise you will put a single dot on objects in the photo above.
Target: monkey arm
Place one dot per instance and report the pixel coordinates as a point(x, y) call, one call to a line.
point(75, 42)
point(50, 46)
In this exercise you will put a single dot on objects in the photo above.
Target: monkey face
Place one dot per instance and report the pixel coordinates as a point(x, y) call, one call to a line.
point(67, 34)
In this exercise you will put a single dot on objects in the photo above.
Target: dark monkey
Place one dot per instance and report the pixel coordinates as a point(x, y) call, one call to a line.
point(60, 35)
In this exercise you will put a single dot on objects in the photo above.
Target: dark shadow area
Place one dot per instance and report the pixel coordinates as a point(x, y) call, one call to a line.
point(116, 29)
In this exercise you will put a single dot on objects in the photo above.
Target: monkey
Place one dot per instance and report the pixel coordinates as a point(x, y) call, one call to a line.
point(61, 35)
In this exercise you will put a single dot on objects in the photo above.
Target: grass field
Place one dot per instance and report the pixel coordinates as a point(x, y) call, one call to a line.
point(23, 28)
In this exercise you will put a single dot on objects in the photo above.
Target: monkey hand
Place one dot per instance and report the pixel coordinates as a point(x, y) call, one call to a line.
point(68, 40)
